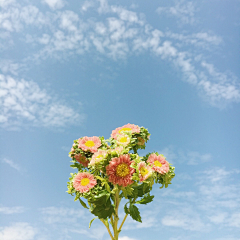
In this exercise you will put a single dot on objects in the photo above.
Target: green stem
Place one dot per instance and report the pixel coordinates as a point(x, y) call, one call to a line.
point(116, 218)
point(119, 230)
point(107, 229)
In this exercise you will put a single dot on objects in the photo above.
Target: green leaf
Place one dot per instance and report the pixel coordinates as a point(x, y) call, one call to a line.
point(146, 199)
point(126, 209)
point(134, 213)
point(100, 199)
point(83, 203)
point(103, 211)
point(92, 221)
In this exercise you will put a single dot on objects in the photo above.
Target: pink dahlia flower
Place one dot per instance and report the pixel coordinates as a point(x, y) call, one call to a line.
point(158, 163)
point(83, 182)
point(144, 171)
point(81, 159)
point(119, 170)
point(128, 127)
point(98, 157)
point(89, 143)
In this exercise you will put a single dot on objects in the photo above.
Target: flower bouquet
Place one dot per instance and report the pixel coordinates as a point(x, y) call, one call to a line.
point(111, 169)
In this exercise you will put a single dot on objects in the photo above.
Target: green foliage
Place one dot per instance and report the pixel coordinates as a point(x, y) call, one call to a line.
point(83, 203)
point(92, 221)
point(134, 213)
point(146, 199)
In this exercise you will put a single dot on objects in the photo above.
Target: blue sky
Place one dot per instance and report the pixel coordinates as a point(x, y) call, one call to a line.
point(70, 69)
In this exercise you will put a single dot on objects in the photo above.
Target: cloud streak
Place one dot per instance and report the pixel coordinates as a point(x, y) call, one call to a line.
point(119, 33)
point(24, 102)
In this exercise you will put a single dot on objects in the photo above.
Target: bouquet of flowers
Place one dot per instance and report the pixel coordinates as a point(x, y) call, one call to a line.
point(111, 169)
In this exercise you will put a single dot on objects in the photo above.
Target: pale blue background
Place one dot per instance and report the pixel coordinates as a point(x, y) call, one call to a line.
point(70, 69)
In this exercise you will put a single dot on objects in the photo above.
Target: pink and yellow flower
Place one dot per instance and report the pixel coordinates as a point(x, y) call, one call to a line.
point(128, 127)
point(144, 171)
point(83, 182)
point(98, 157)
point(123, 139)
point(89, 143)
point(158, 163)
point(82, 159)
point(119, 170)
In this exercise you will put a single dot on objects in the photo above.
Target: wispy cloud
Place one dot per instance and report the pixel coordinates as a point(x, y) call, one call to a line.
point(18, 231)
point(185, 156)
point(214, 202)
point(11, 210)
point(54, 4)
point(25, 102)
point(183, 10)
point(12, 163)
point(119, 33)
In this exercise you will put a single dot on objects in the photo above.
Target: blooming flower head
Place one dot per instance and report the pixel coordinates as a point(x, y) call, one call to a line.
point(158, 163)
point(89, 143)
point(81, 159)
point(126, 128)
point(119, 170)
point(144, 171)
point(98, 157)
point(123, 139)
point(83, 182)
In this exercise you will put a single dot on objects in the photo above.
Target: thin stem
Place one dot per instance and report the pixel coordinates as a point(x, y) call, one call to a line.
point(107, 229)
point(115, 226)
point(122, 223)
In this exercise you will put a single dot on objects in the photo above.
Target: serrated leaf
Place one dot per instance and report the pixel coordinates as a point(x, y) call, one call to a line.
point(92, 221)
point(126, 209)
point(83, 203)
point(146, 199)
point(134, 213)
point(103, 211)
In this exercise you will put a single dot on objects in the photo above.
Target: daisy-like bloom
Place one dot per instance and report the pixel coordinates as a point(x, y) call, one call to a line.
point(158, 163)
point(81, 159)
point(123, 139)
point(128, 127)
point(140, 141)
point(83, 182)
point(119, 170)
point(98, 157)
point(144, 171)
point(89, 143)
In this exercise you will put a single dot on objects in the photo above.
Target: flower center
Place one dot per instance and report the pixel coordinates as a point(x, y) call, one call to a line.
point(85, 181)
point(157, 163)
point(143, 171)
point(89, 143)
point(99, 156)
point(125, 129)
point(123, 139)
point(122, 170)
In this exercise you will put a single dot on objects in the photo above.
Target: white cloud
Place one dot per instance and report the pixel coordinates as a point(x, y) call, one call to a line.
point(185, 156)
point(126, 238)
point(183, 10)
point(18, 231)
point(122, 33)
point(55, 215)
point(25, 102)
point(4, 3)
point(10, 162)
point(186, 220)
point(11, 210)
point(55, 4)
